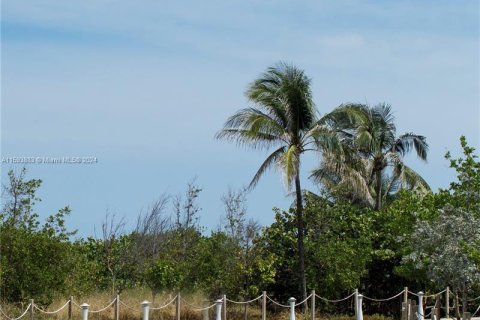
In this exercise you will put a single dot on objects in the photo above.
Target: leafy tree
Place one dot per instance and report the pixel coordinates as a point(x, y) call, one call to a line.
point(286, 119)
point(151, 242)
point(439, 248)
point(113, 255)
point(162, 275)
point(370, 167)
point(36, 260)
point(334, 233)
point(465, 192)
point(242, 233)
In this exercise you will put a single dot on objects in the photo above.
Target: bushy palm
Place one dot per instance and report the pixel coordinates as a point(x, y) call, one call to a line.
point(285, 118)
point(370, 167)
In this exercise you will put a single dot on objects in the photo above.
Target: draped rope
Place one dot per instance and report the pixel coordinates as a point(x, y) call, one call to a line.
point(18, 318)
point(51, 312)
point(386, 299)
point(335, 301)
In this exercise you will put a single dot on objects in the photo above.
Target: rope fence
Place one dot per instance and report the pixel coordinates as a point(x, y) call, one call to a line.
point(165, 305)
point(52, 312)
point(410, 309)
point(104, 308)
point(20, 317)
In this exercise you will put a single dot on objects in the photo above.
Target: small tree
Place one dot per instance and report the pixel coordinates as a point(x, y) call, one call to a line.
point(439, 248)
point(115, 249)
point(35, 259)
point(151, 240)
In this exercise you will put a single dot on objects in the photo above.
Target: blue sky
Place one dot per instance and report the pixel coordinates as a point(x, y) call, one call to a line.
point(144, 86)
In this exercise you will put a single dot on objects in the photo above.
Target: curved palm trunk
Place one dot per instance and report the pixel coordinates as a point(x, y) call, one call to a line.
point(300, 234)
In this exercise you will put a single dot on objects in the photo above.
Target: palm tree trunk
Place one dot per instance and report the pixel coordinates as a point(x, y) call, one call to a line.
point(378, 190)
point(300, 234)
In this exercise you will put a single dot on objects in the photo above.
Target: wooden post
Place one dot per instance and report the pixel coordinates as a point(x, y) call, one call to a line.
point(467, 316)
point(117, 308)
point(264, 305)
point(224, 307)
point(434, 314)
point(205, 312)
point(409, 308)
point(405, 308)
point(413, 310)
point(313, 304)
point(437, 306)
point(447, 302)
point(70, 308)
point(32, 306)
point(177, 307)
point(405, 294)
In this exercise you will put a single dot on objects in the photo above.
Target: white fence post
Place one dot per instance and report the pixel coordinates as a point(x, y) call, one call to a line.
point(420, 306)
point(360, 307)
point(218, 309)
point(145, 309)
point(356, 303)
point(84, 311)
point(224, 307)
point(292, 307)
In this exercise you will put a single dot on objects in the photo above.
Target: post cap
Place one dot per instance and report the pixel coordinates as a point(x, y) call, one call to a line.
point(292, 299)
point(85, 306)
point(145, 303)
point(421, 293)
point(219, 301)
point(360, 295)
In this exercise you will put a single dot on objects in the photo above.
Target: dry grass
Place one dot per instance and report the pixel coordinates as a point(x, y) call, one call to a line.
point(130, 309)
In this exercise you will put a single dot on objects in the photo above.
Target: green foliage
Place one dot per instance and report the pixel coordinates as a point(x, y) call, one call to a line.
point(444, 244)
point(334, 233)
point(438, 248)
point(423, 241)
point(465, 192)
point(36, 259)
point(112, 262)
point(163, 276)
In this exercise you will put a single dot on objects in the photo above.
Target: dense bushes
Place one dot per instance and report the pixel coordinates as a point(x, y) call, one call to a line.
point(347, 246)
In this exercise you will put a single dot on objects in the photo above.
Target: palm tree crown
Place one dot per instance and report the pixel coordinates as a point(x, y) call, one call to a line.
point(371, 164)
point(285, 119)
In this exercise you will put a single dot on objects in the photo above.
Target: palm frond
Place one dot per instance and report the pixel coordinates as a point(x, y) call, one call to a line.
point(273, 158)
point(252, 127)
point(290, 162)
point(406, 141)
point(411, 180)
point(339, 173)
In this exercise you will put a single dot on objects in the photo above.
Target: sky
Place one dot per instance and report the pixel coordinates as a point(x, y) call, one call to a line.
point(143, 86)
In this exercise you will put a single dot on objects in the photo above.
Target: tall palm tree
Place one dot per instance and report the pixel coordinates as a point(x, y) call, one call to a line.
point(370, 167)
point(285, 119)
